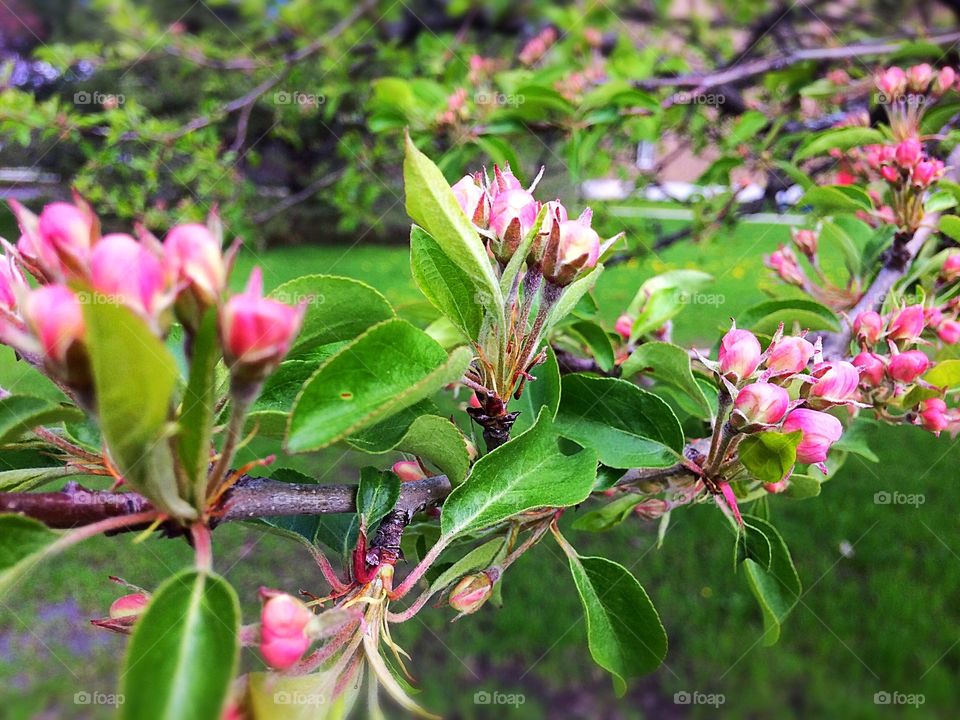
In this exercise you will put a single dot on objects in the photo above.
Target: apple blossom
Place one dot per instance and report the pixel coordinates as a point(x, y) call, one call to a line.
point(739, 354)
point(127, 272)
point(789, 355)
point(908, 366)
point(871, 368)
point(907, 324)
point(868, 325)
point(762, 403)
point(284, 621)
point(820, 430)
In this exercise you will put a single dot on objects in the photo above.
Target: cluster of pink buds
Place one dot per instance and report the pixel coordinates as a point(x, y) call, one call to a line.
point(504, 212)
point(537, 47)
point(892, 364)
point(904, 164)
point(184, 276)
point(912, 85)
point(285, 627)
point(779, 389)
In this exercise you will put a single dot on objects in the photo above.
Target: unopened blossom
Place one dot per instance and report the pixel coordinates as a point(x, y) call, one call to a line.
point(131, 605)
point(408, 470)
point(473, 200)
point(945, 80)
point(572, 248)
point(908, 366)
point(819, 431)
point(193, 258)
point(871, 368)
point(789, 355)
point(762, 403)
point(951, 266)
point(907, 324)
point(890, 174)
point(933, 415)
point(868, 325)
point(949, 332)
point(919, 77)
point(624, 326)
point(126, 272)
point(69, 232)
point(908, 152)
point(784, 262)
point(54, 315)
point(806, 241)
point(257, 332)
point(472, 592)
point(835, 383)
point(284, 623)
point(892, 82)
point(739, 354)
point(926, 171)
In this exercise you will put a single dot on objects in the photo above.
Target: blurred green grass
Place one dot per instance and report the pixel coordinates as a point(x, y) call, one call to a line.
point(879, 613)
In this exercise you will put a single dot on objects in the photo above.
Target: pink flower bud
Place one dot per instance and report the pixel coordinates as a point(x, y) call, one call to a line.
point(945, 79)
point(806, 241)
point(784, 262)
point(408, 470)
point(919, 77)
point(12, 283)
point(472, 592)
point(131, 605)
point(892, 83)
point(512, 216)
point(556, 213)
point(949, 332)
point(926, 172)
point(504, 180)
point(868, 325)
point(907, 324)
point(193, 259)
point(820, 431)
point(890, 174)
point(739, 354)
point(257, 332)
point(283, 631)
point(932, 316)
point(951, 266)
point(845, 177)
point(652, 508)
point(624, 326)
point(128, 273)
point(573, 247)
point(933, 415)
point(777, 487)
point(54, 315)
point(790, 355)
point(836, 382)
point(908, 366)
point(871, 368)
point(908, 152)
point(472, 200)
point(68, 231)
point(762, 403)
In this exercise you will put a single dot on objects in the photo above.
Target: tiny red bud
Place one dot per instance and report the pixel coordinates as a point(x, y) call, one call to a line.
point(131, 605)
point(472, 592)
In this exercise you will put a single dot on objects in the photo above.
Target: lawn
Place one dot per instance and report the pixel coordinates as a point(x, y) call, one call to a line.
point(877, 614)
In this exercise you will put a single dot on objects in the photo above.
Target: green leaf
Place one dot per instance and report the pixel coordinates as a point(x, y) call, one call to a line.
point(376, 495)
point(624, 631)
point(195, 427)
point(610, 515)
point(945, 374)
point(390, 367)
point(940, 201)
point(597, 340)
point(526, 473)
point(856, 436)
point(950, 226)
point(753, 544)
point(23, 543)
point(134, 377)
point(573, 294)
point(543, 391)
point(628, 427)
point(440, 442)
point(21, 413)
point(802, 487)
point(301, 697)
point(183, 653)
point(387, 434)
point(479, 558)
point(840, 139)
point(769, 455)
point(776, 589)
point(668, 364)
point(662, 305)
point(337, 309)
point(448, 288)
point(432, 205)
point(807, 314)
point(831, 199)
